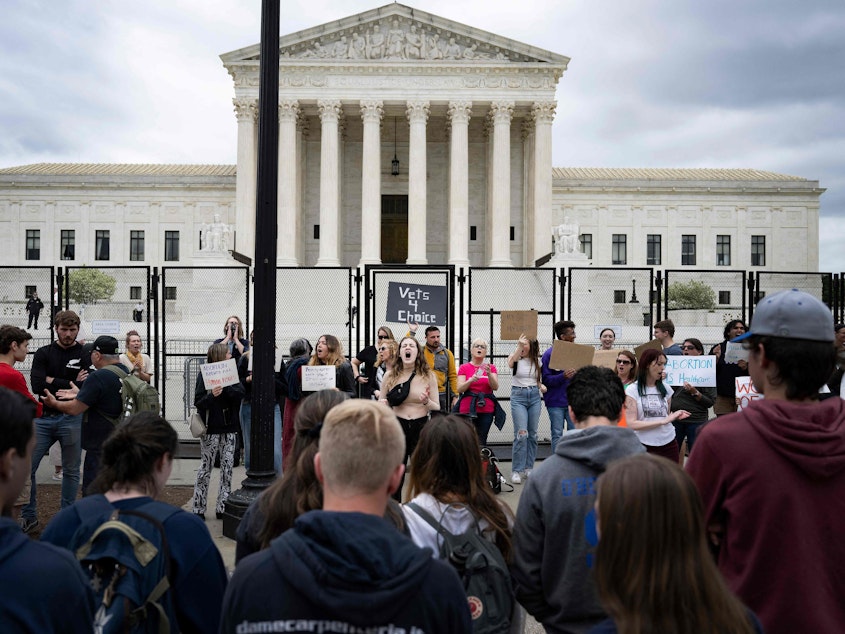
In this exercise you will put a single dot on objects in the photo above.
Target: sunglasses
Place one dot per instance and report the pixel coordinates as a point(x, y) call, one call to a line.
point(688, 348)
point(623, 361)
point(383, 337)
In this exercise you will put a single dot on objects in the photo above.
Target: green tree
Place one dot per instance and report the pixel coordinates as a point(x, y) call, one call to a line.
point(692, 294)
point(87, 286)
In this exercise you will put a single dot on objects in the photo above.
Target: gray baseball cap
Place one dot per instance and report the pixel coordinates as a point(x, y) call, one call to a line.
point(791, 314)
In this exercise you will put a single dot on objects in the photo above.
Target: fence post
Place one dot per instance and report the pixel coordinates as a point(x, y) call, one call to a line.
point(561, 280)
point(461, 306)
point(659, 300)
point(753, 290)
point(152, 313)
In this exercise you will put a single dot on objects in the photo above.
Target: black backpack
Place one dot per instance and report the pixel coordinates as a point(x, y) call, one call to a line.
point(125, 554)
point(483, 572)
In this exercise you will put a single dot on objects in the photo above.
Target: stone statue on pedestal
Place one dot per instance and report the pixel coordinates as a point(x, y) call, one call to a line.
point(566, 237)
point(215, 236)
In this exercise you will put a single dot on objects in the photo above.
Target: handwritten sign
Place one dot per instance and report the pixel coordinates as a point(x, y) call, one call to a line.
point(221, 373)
point(697, 371)
point(105, 327)
point(567, 355)
point(425, 305)
point(518, 322)
point(654, 343)
point(745, 392)
point(318, 377)
point(735, 353)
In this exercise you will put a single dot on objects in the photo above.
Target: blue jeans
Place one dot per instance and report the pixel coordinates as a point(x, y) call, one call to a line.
point(482, 426)
point(68, 431)
point(688, 431)
point(525, 411)
point(246, 426)
point(559, 418)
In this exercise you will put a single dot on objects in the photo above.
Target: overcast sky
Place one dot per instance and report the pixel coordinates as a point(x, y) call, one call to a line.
point(652, 83)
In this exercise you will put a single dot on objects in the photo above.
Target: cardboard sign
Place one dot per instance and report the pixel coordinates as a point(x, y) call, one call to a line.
point(318, 377)
point(735, 353)
point(654, 343)
point(745, 392)
point(518, 322)
point(416, 303)
point(567, 355)
point(697, 371)
point(221, 373)
point(605, 358)
point(105, 327)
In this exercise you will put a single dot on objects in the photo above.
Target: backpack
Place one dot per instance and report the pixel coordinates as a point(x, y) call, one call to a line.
point(138, 395)
point(490, 467)
point(125, 554)
point(483, 573)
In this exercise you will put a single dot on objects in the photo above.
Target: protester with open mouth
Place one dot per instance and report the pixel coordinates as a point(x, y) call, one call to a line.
point(408, 389)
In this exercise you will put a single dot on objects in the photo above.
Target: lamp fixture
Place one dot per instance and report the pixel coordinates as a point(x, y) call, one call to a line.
point(394, 164)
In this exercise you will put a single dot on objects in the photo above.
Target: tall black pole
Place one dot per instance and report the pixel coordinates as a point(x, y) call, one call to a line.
point(262, 444)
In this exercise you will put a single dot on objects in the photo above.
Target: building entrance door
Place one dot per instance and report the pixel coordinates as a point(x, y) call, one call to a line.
point(394, 229)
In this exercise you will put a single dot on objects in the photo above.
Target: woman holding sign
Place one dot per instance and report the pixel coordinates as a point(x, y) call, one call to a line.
point(219, 409)
point(408, 389)
point(696, 400)
point(728, 371)
point(329, 351)
point(648, 407)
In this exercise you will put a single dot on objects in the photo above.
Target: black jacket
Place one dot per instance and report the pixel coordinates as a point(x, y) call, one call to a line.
point(221, 413)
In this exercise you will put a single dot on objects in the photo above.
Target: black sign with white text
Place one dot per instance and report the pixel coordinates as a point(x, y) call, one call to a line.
point(416, 303)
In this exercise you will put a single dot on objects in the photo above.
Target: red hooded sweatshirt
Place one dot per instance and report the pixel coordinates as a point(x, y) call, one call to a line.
point(773, 477)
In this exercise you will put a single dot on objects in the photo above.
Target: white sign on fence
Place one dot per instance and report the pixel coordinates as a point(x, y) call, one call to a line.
point(221, 373)
point(735, 353)
point(697, 371)
point(318, 377)
point(105, 327)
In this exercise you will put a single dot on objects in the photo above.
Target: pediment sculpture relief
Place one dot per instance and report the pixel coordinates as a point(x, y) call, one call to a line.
point(396, 42)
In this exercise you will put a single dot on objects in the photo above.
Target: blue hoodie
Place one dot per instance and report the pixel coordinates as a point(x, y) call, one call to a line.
point(42, 588)
point(333, 572)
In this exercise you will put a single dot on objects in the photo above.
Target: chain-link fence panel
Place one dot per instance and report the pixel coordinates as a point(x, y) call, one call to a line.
point(313, 302)
point(700, 303)
point(818, 285)
point(621, 299)
point(19, 285)
point(194, 306)
point(491, 291)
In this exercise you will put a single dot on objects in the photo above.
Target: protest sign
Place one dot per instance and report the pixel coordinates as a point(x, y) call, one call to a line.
point(518, 322)
point(654, 343)
point(697, 371)
point(318, 377)
point(745, 392)
point(735, 353)
point(220, 373)
point(416, 303)
point(605, 359)
point(567, 355)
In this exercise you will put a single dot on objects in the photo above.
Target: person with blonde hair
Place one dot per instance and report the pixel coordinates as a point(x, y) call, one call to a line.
point(343, 567)
point(653, 567)
point(477, 381)
point(365, 364)
point(139, 363)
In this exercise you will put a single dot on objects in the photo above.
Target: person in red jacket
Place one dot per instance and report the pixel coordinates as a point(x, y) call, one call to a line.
point(14, 346)
point(772, 475)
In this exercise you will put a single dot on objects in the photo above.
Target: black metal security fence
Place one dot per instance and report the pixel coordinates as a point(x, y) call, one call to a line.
point(184, 308)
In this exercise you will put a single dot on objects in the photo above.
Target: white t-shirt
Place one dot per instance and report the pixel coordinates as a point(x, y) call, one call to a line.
point(525, 374)
point(456, 520)
point(652, 406)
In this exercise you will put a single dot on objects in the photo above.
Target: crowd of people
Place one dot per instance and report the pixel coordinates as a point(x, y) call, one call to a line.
point(613, 532)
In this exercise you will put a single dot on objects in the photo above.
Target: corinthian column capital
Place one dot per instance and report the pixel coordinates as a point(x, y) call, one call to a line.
point(330, 110)
point(501, 111)
point(544, 111)
point(459, 111)
point(245, 109)
point(289, 110)
point(417, 111)
point(372, 110)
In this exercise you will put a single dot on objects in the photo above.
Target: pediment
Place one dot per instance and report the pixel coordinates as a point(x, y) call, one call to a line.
point(396, 33)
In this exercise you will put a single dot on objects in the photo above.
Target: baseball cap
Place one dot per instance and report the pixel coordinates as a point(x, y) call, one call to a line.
point(791, 314)
point(105, 345)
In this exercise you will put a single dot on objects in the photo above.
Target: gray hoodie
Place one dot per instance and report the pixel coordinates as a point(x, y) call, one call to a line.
point(555, 532)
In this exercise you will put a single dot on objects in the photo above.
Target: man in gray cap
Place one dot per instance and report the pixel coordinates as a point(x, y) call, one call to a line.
point(772, 476)
point(99, 398)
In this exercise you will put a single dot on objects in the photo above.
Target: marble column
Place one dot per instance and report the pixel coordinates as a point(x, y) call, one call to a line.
point(417, 112)
point(459, 113)
point(544, 114)
point(371, 113)
point(501, 112)
point(527, 136)
point(288, 216)
point(246, 181)
point(330, 114)
point(302, 133)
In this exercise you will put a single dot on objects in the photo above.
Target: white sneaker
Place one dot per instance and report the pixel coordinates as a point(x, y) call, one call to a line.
point(57, 476)
point(527, 472)
point(516, 478)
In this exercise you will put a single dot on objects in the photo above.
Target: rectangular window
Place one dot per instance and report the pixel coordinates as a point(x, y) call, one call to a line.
point(473, 232)
point(68, 244)
point(171, 246)
point(101, 247)
point(316, 232)
point(169, 292)
point(619, 254)
point(618, 297)
point(723, 250)
point(134, 292)
point(758, 250)
point(587, 245)
point(33, 244)
point(136, 246)
point(653, 249)
point(513, 233)
point(724, 297)
point(28, 291)
point(688, 250)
